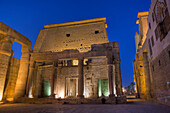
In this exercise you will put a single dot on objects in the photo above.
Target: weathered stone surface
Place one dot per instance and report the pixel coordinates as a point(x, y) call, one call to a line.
point(23, 73)
point(78, 35)
point(11, 79)
point(7, 37)
point(68, 61)
point(151, 65)
point(161, 85)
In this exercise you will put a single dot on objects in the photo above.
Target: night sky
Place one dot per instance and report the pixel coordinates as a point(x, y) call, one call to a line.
point(29, 16)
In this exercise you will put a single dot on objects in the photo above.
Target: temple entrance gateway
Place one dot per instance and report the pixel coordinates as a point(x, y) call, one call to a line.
point(71, 87)
point(103, 87)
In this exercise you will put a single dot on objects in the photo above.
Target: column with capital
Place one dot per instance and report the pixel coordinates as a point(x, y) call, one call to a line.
point(5, 53)
point(80, 79)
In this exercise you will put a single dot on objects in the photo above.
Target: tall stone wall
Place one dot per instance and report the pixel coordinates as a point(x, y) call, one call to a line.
point(140, 77)
point(64, 73)
point(11, 79)
point(94, 69)
point(161, 75)
point(98, 69)
point(80, 37)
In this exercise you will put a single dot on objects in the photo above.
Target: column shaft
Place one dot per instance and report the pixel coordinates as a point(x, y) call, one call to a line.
point(5, 53)
point(38, 83)
point(80, 79)
point(52, 82)
point(118, 78)
point(110, 76)
point(23, 73)
point(147, 74)
point(30, 78)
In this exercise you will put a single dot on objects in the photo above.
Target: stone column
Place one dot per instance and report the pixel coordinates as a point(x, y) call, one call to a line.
point(38, 83)
point(30, 77)
point(110, 76)
point(55, 80)
point(5, 53)
point(147, 74)
point(52, 81)
point(118, 78)
point(114, 88)
point(23, 73)
point(80, 79)
point(139, 73)
point(136, 76)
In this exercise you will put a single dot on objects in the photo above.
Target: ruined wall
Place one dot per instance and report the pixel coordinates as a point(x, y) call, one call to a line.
point(42, 79)
point(94, 70)
point(158, 44)
point(11, 79)
point(141, 78)
point(80, 37)
point(64, 73)
point(143, 28)
point(161, 74)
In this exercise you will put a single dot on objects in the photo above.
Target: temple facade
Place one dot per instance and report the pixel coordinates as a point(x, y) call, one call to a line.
point(69, 60)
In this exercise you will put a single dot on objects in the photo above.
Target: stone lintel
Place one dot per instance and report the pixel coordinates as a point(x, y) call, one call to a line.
point(6, 30)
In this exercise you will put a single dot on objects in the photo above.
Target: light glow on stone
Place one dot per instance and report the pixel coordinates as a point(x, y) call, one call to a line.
point(56, 96)
point(0, 96)
point(47, 88)
point(10, 99)
point(103, 87)
point(61, 94)
point(30, 93)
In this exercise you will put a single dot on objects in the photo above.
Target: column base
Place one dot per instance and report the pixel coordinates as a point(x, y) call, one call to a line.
point(111, 95)
point(52, 96)
point(26, 96)
point(80, 96)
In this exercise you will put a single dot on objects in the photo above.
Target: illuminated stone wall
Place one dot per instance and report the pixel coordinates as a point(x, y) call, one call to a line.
point(151, 65)
point(74, 35)
point(138, 64)
point(42, 84)
point(11, 79)
point(7, 37)
point(143, 28)
point(75, 73)
point(140, 76)
point(96, 69)
point(66, 78)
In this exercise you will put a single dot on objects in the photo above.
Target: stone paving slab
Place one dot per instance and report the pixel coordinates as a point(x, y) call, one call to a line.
point(133, 107)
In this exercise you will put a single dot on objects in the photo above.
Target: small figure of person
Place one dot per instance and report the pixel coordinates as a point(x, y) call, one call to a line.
point(103, 99)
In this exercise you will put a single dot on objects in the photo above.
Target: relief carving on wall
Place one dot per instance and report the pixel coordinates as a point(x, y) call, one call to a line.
point(162, 19)
point(160, 10)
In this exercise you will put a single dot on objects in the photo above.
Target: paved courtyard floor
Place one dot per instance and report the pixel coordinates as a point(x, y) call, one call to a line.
point(130, 107)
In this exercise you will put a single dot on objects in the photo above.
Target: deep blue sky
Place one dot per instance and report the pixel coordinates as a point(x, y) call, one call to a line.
point(29, 16)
